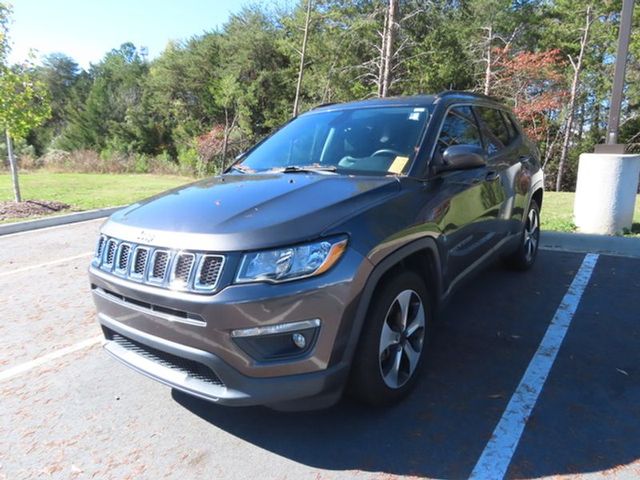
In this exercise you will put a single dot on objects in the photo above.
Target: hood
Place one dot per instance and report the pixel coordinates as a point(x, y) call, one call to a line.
point(248, 211)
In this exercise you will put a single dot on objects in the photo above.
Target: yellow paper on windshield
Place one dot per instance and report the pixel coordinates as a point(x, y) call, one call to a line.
point(398, 164)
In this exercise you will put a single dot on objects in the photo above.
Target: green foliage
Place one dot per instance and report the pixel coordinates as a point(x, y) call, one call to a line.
point(188, 159)
point(5, 14)
point(204, 99)
point(114, 111)
point(24, 100)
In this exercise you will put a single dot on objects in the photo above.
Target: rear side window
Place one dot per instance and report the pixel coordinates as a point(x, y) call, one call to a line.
point(494, 129)
point(459, 128)
point(511, 126)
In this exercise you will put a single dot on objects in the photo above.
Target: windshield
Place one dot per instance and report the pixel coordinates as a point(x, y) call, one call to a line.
point(380, 140)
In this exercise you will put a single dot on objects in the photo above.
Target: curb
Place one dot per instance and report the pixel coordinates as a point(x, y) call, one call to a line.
point(57, 220)
point(589, 243)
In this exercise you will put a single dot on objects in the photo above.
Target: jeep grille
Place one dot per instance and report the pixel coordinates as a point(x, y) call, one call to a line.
point(175, 269)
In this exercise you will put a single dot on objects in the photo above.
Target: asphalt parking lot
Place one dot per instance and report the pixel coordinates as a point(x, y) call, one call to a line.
point(67, 410)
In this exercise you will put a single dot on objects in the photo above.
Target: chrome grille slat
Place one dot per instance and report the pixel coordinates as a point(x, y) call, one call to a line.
point(110, 252)
point(100, 246)
point(182, 266)
point(209, 272)
point(122, 260)
point(159, 264)
point(197, 272)
point(139, 262)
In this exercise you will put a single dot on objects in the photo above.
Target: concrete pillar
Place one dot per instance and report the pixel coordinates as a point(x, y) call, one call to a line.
point(606, 192)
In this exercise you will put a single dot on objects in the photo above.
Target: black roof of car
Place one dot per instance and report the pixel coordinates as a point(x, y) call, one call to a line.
point(409, 101)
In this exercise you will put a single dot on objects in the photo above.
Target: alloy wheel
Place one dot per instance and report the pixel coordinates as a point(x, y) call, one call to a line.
point(402, 339)
point(531, 234)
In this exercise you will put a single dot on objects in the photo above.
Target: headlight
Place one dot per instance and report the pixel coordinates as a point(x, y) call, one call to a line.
point(291, 262)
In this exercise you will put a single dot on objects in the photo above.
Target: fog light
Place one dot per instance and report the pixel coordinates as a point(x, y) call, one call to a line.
point(278, 342)
point(299, 340)
point(274, 329)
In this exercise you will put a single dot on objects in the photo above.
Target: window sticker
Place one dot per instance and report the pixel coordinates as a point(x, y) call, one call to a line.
point(419, 109)
point(398, 164)
point(414, 116)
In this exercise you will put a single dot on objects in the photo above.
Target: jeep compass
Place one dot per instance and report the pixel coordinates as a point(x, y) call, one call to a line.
point(316, 263)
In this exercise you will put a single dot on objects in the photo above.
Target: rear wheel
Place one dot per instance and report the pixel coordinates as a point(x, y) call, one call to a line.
point(391, 349)
point(525, 256)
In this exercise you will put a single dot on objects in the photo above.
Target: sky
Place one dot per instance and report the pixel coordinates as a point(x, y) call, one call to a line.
point(87, 29)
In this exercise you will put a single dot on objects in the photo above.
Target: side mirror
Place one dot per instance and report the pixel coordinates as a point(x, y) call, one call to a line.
point(461, 157)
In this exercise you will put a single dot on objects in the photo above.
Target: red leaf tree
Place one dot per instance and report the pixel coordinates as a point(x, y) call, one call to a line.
point(533, 82)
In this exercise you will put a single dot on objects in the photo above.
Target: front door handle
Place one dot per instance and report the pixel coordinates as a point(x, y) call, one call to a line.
point(492, 176)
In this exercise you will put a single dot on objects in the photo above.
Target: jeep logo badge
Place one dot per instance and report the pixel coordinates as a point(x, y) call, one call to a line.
point(145, 237)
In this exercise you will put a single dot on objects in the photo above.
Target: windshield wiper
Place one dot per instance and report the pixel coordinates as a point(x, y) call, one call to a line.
point(241, 168)
point(308, 168)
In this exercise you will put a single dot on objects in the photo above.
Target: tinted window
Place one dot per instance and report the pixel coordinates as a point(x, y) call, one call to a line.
point(459, 128)
point(495, 130)
point(377, 140)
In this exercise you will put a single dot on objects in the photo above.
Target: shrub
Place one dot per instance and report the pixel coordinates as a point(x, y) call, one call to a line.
point(27, 161)
point(163, 164)
point(188, 160)
point(141, 163)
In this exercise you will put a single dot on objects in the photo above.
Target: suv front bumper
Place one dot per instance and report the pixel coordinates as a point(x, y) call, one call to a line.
point(184, 340)
point(175, 365)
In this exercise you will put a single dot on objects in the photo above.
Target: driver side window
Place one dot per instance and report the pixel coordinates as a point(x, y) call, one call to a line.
point(459, 128)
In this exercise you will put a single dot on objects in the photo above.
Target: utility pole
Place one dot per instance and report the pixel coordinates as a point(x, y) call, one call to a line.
point(618, 80)
point(608, 179)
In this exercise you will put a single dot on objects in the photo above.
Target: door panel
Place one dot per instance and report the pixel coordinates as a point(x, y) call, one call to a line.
point(471, 197)
point(468, 222)
point(504, 160)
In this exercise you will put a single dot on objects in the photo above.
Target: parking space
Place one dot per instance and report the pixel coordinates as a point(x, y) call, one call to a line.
point(44, 304)
point(83, 415)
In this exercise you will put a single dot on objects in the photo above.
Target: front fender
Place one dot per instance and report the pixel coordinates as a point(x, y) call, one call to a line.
point(351, 330)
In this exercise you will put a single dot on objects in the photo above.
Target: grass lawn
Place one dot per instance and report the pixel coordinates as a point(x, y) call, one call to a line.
point(86, 191)
point(557, 213)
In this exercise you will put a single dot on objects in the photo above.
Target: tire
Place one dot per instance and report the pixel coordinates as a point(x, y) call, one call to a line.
point(525, 255)
point(387, 342)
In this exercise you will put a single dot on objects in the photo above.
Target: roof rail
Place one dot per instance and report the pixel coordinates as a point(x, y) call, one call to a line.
point(324, 105)
point(445, 93)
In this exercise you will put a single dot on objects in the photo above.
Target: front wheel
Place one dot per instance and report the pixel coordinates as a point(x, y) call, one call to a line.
point(525, 255)
point(391, 349)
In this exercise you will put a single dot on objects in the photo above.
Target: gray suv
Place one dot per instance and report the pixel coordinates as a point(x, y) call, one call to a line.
point(316, 263)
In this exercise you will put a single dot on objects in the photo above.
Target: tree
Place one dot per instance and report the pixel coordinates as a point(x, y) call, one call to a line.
point(253, 53)
point(68, 86)
point(387, 50)
point(495, 27)
point(24, 102)
point(178, 88)
point(227, 94)
point(111, 115)
point(231, 86)
point(533, 83)
point(303, 51)
point(577, 69)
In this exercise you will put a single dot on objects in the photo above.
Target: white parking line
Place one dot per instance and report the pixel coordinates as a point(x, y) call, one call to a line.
point(497, 455)
point(45, 264)
point(49, 357)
